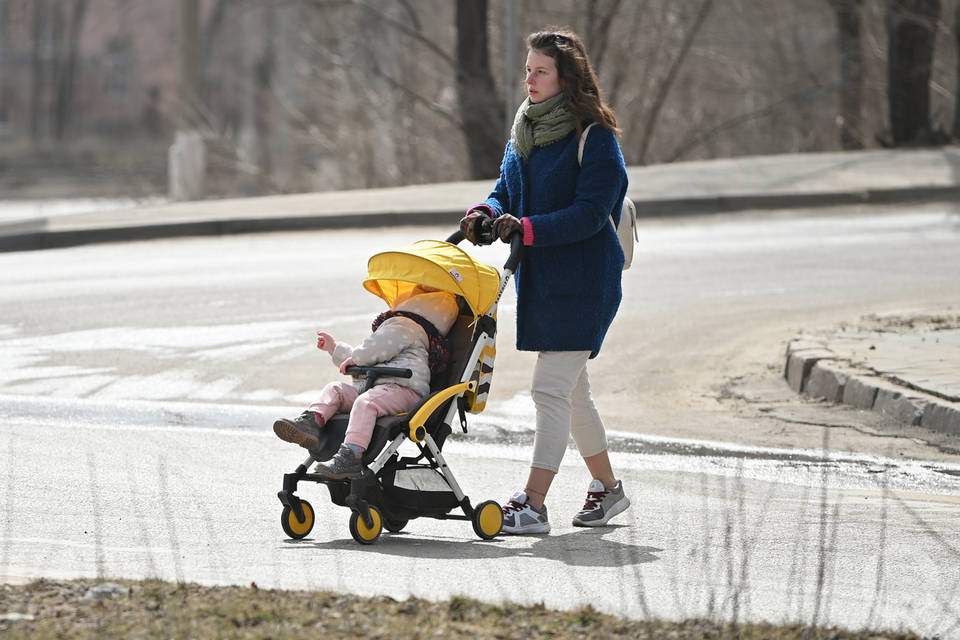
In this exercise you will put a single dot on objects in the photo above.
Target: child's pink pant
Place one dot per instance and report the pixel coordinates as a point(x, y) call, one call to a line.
point(364, 408)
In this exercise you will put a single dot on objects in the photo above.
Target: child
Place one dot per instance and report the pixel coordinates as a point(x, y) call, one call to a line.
point(401, 338)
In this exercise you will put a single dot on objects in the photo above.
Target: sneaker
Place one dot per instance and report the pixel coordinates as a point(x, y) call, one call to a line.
point(602, 504)
point(344, 464)
point(520, 517)
point(304, 430)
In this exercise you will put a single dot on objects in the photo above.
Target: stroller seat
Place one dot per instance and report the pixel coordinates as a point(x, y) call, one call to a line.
point(460, 338)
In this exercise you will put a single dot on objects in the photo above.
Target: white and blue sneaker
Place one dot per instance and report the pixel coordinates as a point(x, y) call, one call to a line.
point(520, 517)
point(602, 504)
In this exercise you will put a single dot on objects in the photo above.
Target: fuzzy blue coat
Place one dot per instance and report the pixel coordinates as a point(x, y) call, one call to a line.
point(568, 281)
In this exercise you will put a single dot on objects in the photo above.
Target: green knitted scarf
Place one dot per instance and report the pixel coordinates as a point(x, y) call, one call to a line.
point(538, 124)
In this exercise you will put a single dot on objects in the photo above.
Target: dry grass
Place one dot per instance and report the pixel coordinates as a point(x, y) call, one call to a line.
point(153, 609)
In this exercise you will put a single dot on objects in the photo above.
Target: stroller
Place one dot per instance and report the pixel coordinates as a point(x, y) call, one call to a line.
point(392, 490)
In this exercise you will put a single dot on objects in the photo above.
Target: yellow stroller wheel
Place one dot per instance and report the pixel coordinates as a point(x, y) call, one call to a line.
point(487, 519)
point(292, 525)
point(361, 532)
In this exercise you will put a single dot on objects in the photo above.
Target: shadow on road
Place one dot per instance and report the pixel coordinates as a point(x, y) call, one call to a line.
point(578, 548)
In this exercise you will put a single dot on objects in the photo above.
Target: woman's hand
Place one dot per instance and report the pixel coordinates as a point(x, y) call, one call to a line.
point(505, 226)
point(471, 225)
point(346, 363)
point(325, 342)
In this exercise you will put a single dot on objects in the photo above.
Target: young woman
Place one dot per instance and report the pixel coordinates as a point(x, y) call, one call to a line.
point(568, 281)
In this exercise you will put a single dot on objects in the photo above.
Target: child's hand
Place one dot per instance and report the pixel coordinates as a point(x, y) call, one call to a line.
point(325, 342)
point(346, 363)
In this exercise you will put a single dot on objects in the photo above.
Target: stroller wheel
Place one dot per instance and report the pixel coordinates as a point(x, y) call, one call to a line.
point(393, 526)
point(361, 532)
point(292, 526)
point(487, 519)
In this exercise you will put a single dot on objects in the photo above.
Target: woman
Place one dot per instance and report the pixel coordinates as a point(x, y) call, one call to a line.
point(568, 281)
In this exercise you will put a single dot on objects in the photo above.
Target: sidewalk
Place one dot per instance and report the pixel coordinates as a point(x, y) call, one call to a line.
point(758, 182)
point(906, 368)
point(911, 373)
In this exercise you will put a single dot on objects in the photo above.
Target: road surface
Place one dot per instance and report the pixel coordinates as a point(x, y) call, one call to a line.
point(139, 381)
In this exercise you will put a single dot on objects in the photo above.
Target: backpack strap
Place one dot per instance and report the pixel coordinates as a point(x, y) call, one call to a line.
point(583, 141)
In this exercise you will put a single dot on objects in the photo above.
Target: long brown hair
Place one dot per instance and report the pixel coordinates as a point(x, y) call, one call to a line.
point(577, 77)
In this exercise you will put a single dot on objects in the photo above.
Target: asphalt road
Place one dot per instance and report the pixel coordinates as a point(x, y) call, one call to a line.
point(138, 383)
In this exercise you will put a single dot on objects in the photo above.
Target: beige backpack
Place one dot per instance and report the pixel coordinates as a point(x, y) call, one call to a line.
point(627, 229)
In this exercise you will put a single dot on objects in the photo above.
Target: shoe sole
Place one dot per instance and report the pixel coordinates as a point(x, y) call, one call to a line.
point(321, 471)
point(617, 509)
point(519, 531)
point(289, 433)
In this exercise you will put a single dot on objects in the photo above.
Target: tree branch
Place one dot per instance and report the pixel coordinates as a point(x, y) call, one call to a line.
point(416, 97)
point(598, 30)
point(622, 70)
point(661, 96)
point(734, 122)
point(412, 33)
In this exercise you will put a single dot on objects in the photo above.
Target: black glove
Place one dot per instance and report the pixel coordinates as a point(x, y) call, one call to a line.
point(471, 225)
point(505, 226)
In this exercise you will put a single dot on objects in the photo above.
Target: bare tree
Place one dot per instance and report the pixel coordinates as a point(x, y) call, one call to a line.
point(189, 60)
point(664, 87)
point(5, 65)
point(955, 133)
point(599, 18)
point(479, 106)
point(911, 30)
point(851, 72)
point(65, 69)
point(39, 57)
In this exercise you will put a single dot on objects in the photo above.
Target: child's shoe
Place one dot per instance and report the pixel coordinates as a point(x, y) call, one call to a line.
point(344, 464)
point(520, 517)
point(304, 430)
point(602, 504)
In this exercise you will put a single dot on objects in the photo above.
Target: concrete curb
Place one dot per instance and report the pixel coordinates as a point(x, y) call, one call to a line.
point(731, 203)
point(36, 239)
point(815, 371)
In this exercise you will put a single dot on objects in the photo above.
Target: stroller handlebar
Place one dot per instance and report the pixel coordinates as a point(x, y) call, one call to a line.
point(516, 247)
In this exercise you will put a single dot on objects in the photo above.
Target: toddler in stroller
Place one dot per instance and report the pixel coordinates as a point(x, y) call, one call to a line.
point(365, 470)
point(411, 335)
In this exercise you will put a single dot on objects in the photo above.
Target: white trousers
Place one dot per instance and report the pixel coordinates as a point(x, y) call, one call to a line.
point(561, 393)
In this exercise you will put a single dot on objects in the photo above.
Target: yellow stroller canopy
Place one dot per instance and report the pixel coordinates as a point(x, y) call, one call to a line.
point(436, 264)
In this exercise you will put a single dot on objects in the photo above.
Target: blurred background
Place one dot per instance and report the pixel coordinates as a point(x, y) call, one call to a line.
point(215, 98)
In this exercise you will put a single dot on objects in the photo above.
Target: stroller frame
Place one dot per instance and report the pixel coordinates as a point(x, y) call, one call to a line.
point(376, 503)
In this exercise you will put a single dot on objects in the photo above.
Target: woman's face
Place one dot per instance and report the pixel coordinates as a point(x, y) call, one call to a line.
point(543, 81)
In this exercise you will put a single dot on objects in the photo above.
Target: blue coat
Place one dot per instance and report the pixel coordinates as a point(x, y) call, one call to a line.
point(568, 281)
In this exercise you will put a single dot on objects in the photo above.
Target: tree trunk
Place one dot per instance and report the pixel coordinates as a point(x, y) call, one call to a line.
point(956, 107)
point(265, 66)
point(189, 62)
point(480, 108)
point(664, 89)
point(65, 72)
point(5, 66)
point(187, 157)
point(851, 72)
point(38, 71)
point(911, 30)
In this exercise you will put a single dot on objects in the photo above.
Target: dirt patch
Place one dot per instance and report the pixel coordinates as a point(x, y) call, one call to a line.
point(153, 609)
point(903, 323)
